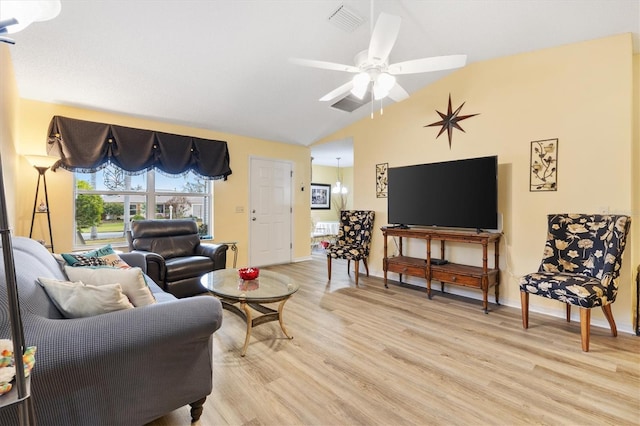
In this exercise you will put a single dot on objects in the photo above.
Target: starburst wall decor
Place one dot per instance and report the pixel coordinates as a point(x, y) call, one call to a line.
point(450, 121)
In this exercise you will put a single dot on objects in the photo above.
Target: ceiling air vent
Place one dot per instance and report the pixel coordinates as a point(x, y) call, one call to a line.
point(346, 19)
point(350, 103)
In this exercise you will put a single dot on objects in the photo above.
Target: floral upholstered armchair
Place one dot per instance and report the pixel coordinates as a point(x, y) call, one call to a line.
point(581, 261)
point(354, 240)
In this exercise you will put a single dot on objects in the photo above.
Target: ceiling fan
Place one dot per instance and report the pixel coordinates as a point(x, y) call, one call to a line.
point(372, 66)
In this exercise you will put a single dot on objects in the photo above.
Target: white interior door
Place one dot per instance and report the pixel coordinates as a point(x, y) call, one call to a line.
point(270, 212)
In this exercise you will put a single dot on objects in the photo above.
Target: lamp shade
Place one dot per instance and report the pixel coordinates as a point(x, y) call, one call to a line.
point(41, 160)
point(27, 12)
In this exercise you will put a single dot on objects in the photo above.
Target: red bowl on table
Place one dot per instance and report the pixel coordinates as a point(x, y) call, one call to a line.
point(248, 273)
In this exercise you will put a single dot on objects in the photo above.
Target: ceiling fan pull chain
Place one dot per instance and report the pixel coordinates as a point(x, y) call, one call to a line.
point(372, 104)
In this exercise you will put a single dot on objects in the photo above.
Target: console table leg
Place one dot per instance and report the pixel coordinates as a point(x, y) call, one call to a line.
point(485, 294)
point(385, 267)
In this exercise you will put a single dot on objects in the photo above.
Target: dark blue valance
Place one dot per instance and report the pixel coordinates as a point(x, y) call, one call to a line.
point(87, 146)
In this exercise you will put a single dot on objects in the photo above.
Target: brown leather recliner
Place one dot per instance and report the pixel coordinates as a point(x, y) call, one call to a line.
point(175, 256)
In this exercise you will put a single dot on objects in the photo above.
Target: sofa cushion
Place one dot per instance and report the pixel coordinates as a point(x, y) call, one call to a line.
point(179, 268)
point(76, 300)
point(98, 257)
point(132, 281)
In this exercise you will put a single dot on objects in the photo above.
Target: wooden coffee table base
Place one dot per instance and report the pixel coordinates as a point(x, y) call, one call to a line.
point(268, 315)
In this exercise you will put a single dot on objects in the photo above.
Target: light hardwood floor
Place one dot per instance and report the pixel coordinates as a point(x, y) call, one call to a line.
point(376, 356)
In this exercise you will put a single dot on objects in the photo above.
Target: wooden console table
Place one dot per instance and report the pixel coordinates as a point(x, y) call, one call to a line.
point(433, 269)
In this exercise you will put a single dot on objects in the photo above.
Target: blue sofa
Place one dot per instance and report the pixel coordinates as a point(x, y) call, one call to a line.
point(121, 368)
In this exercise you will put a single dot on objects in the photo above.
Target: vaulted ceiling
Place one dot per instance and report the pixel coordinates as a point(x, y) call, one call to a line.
point(224, 65)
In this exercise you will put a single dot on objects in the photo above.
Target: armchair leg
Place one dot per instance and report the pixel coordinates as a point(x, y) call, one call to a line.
point(329, 267)
point(609, 315)
point(524, 303)
point(357, 264)
point(349, 266)
point(568, 312)
point(196, 409)
point(366, 266)
point(585, 326)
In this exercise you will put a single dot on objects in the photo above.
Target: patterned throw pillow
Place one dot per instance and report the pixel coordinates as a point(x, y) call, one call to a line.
point(82, 260)
point(104, 256)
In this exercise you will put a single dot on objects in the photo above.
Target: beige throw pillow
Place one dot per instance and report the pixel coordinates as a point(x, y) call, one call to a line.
point(132, 281)
point(76, 300)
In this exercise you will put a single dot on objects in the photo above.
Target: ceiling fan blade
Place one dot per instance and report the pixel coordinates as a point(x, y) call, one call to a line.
point(324, 65)
point(340, 91)
point(436, 63)
point(397, 93)
point(383, 37)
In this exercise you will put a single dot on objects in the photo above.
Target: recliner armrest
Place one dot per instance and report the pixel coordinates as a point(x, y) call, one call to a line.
point(216, 252)
point(155, 266)
point(135, 259)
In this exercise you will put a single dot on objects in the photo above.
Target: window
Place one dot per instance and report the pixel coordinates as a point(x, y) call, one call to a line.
point(107, 201)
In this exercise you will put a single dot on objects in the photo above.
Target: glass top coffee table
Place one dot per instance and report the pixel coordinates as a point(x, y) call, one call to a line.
point(269, 287)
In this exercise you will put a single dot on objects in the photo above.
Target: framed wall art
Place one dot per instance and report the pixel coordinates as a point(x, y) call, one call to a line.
point(543, 169)
point(381, 180)
point(320, 196)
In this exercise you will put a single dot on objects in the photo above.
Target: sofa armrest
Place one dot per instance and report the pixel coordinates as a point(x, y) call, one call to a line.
point(216, 252)
point(155, 267)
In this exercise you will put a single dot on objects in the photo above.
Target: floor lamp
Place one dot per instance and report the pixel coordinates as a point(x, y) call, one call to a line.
point(42, 163)
point(17, 333)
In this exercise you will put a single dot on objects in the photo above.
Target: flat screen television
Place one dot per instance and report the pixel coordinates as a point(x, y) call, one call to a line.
point(452, 194)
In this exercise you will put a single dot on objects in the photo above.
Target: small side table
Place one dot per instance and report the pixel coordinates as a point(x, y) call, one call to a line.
point(234, 248)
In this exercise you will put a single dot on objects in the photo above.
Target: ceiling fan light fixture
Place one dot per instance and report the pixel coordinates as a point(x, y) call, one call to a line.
point(383, 85)
point(379, 92)
point(386, 81)
point(27, 12)
point(360, 84)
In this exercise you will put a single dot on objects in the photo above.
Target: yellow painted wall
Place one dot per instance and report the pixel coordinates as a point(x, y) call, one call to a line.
point(8, 106)
point(34, 118)
point(579, 93)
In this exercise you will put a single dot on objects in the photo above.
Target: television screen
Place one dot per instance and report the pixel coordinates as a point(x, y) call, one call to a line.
point(456, 194)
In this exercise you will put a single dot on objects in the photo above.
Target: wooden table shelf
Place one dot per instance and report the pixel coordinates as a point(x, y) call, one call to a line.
point(481, 277)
